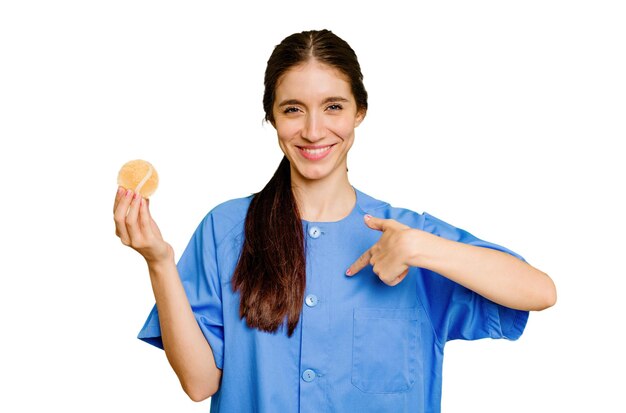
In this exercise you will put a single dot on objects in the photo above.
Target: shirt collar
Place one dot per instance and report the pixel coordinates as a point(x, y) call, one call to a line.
point(367, 204)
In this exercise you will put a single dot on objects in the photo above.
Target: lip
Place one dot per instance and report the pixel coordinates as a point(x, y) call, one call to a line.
point(315, 156)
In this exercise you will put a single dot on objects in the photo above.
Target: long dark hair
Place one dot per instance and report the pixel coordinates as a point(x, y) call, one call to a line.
point(271, 273)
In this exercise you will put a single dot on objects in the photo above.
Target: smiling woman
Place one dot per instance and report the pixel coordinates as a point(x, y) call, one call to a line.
point(315, 119)
point(264, 310)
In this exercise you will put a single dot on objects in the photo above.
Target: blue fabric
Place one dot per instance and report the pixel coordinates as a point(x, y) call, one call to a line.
point(363, 346)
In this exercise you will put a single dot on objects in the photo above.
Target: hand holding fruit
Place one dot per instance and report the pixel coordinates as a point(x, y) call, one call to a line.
point(133, 223)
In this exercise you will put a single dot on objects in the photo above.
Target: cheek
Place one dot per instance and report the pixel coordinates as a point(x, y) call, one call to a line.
point(343, 127)
point(287, 130)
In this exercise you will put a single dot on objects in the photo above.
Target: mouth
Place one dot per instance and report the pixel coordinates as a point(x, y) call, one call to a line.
point(315, 152)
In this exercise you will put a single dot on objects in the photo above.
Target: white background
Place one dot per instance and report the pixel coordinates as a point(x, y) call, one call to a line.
point(502, 118)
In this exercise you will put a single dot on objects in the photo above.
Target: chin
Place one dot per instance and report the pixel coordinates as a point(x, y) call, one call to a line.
point(313, 173)
point(314, 176)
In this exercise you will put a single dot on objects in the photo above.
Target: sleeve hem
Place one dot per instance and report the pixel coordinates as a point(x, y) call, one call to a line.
point(216, 342)
point(151, 334)
point(518, 325)
point(506, 322)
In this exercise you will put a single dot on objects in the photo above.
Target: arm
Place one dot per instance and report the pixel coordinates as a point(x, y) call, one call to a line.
point(186, 348)
point(496, 275)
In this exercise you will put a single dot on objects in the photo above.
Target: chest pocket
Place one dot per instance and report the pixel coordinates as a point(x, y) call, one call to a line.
point(386, 350)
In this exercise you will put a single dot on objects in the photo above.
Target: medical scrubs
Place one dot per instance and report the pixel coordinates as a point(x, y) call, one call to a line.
point(360, 345)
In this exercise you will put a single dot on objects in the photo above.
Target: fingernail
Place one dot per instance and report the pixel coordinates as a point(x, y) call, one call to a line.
point(128, 192)
point(120, 190)
point(348, 272)
point(367, 216)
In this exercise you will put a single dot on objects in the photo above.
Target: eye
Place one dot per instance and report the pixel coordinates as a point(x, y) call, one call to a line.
point(290, 109)
point(335, 107)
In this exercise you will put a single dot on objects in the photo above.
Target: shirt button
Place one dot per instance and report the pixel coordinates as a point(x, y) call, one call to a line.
point(311, 300)
point(315, 232)
point(308, 375)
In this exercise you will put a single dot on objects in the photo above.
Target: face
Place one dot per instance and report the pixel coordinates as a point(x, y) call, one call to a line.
point(315, 115)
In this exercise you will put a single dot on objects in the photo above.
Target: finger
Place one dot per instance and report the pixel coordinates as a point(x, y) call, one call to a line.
point(132, 223)
point(153, 226)
point(398, 279)
point(360, 263)
point(119, 216)
point(374, 223)
point(382, 224)
point(144, 215)
point(118, 196)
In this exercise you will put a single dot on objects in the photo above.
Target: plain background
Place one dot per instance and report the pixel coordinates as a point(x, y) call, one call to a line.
point(502, 118)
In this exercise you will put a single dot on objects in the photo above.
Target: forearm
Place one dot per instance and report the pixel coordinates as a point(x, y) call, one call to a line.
point(496, 275)
point(187, 350)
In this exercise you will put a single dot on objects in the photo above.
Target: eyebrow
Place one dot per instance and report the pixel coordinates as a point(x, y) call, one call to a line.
point(327, 100)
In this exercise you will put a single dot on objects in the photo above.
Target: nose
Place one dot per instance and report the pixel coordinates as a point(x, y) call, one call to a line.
point(314, 128)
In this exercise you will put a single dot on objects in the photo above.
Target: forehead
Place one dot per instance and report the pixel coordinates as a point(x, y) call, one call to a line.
point(313, 79)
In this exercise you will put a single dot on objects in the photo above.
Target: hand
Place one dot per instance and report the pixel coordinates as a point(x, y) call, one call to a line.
point(392, 255)
point(136, 228)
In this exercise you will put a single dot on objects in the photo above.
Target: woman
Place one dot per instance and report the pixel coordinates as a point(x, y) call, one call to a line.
point(311, 295)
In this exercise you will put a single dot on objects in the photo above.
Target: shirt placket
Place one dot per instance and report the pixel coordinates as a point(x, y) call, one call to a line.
point(315, 326)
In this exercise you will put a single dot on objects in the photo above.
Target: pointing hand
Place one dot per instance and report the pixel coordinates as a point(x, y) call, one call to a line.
point(392, 255)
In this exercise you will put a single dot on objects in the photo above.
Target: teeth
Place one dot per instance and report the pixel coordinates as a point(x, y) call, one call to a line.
point(316, 151)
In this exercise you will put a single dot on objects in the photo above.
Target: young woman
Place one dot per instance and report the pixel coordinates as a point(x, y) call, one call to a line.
point(311, 295)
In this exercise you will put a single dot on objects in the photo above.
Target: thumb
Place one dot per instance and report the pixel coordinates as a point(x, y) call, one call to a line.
point(374, 223)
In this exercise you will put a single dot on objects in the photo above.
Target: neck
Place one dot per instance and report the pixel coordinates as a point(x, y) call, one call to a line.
point(324, 200)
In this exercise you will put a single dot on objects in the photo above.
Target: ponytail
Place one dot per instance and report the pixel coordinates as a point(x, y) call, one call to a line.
point(271, 273)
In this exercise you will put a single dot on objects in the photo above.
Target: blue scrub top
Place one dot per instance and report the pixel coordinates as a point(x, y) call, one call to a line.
point(360, 345)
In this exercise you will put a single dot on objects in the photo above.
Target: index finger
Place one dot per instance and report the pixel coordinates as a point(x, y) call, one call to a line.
point(120, 193)
point(360, 263)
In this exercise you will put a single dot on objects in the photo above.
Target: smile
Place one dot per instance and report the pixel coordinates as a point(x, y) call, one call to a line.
point(315, 153)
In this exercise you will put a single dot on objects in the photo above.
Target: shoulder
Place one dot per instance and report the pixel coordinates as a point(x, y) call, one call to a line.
point(407, 216)
point(382, 209)
point(231, 210)
point(425, 222)
point(227, 217)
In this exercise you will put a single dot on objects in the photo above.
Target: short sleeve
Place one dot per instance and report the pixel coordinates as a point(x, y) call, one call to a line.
point(197, 268)
point(459, 313)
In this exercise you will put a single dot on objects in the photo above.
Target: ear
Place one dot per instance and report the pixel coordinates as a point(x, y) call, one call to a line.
point(360, 115)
